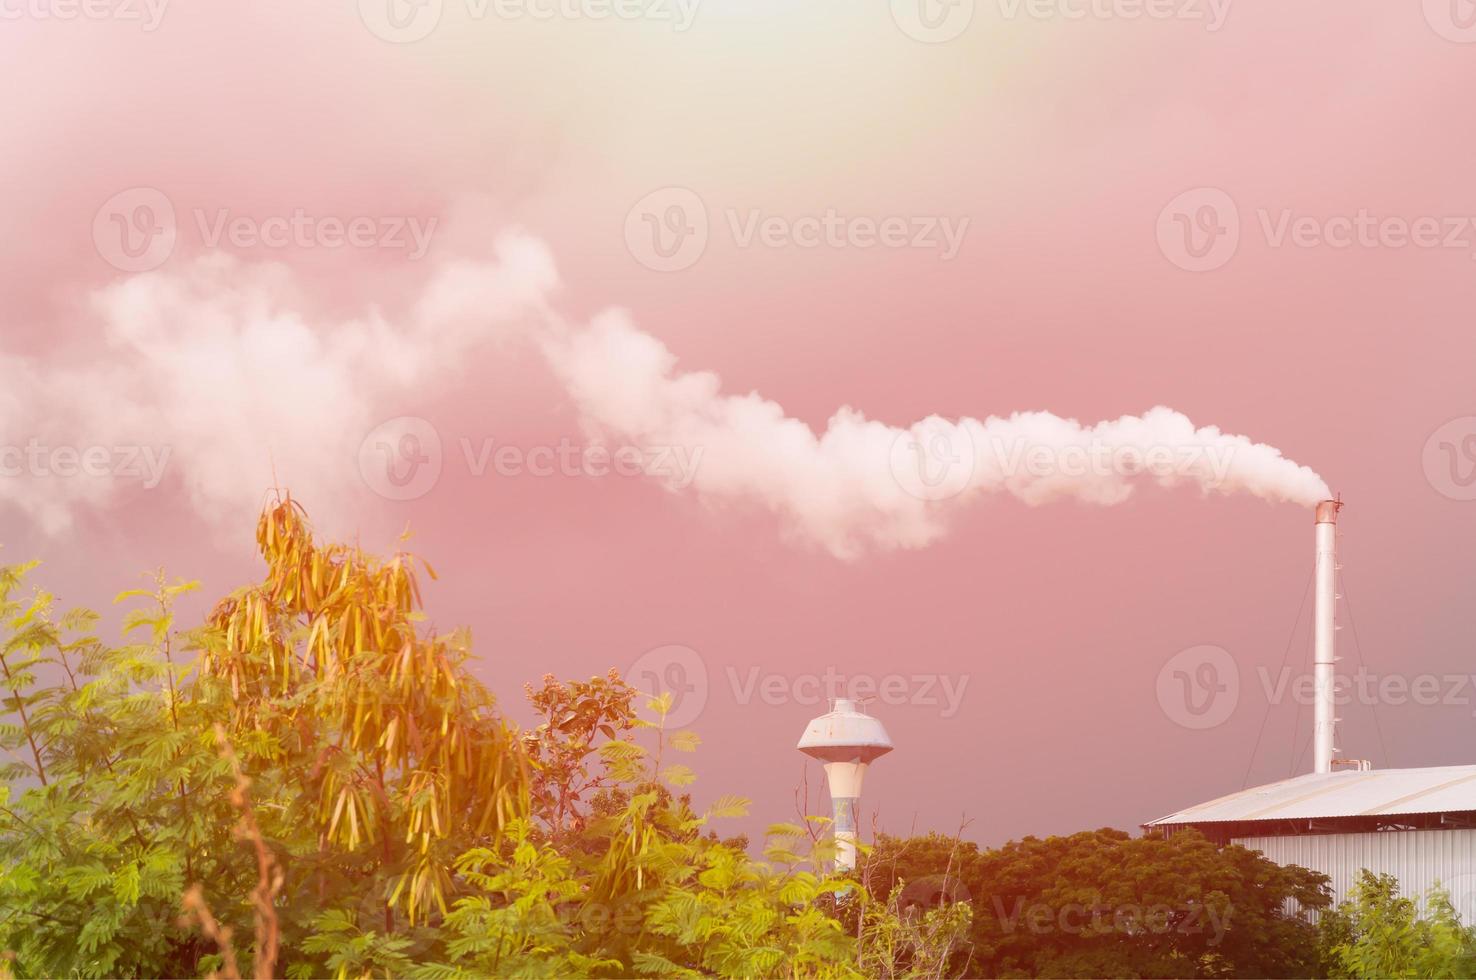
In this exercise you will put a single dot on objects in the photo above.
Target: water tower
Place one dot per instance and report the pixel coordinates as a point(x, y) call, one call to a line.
point(846, 740)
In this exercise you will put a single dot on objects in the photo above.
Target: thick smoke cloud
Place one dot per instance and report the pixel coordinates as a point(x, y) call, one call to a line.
point(863, 484)
point(218, 366)
point(214, 379)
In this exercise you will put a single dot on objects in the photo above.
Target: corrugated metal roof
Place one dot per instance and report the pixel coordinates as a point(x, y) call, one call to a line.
point(1379, 792)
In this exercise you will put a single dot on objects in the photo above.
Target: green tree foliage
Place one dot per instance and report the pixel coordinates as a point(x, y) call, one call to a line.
point(1376, 933)
point(1103, 904)
point(319, 787)
point(312, 783)
point(114, 795)
point(907, 937)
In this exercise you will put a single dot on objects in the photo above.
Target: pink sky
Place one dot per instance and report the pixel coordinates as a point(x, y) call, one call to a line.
point(1060, 140)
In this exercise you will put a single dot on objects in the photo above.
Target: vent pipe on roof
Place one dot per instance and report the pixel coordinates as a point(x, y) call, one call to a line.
point(1324, 626)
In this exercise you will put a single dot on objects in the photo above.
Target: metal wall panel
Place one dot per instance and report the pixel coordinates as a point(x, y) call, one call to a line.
point(1418, 858)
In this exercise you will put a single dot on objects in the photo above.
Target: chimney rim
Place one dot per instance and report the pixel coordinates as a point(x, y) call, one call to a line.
point(1327, 511)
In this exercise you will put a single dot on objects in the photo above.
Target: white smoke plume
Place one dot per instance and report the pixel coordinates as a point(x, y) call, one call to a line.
point(862, 483)
point(217, 366)
point(213, 379)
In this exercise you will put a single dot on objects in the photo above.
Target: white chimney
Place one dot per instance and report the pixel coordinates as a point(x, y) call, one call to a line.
point(1324, 626)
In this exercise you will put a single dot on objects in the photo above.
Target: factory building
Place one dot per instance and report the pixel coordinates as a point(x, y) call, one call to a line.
point(1418, 825)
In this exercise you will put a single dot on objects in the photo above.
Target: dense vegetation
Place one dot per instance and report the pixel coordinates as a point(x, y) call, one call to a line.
point(1377, 932)
point(1103, 904)
point(312, 783)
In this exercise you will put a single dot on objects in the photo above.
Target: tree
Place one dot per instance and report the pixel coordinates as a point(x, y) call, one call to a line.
point(115, 798)
point(1102, 903)
point(902, 937)
point(576, 716)
point(371, 731)
point(1376, 933)
point(322, 787)
point(313, 783)
point(660, 899)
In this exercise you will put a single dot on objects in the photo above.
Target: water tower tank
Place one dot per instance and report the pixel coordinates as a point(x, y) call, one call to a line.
point(846, 740)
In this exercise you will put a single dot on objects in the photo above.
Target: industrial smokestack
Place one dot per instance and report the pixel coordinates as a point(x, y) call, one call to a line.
point(846, 740)
point(1324, 627)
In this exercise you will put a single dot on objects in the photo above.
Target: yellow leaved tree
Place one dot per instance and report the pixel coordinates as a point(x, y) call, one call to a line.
point(385, 746)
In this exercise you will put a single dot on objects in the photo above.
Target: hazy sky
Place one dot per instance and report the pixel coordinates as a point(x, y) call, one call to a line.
point(247, 237)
